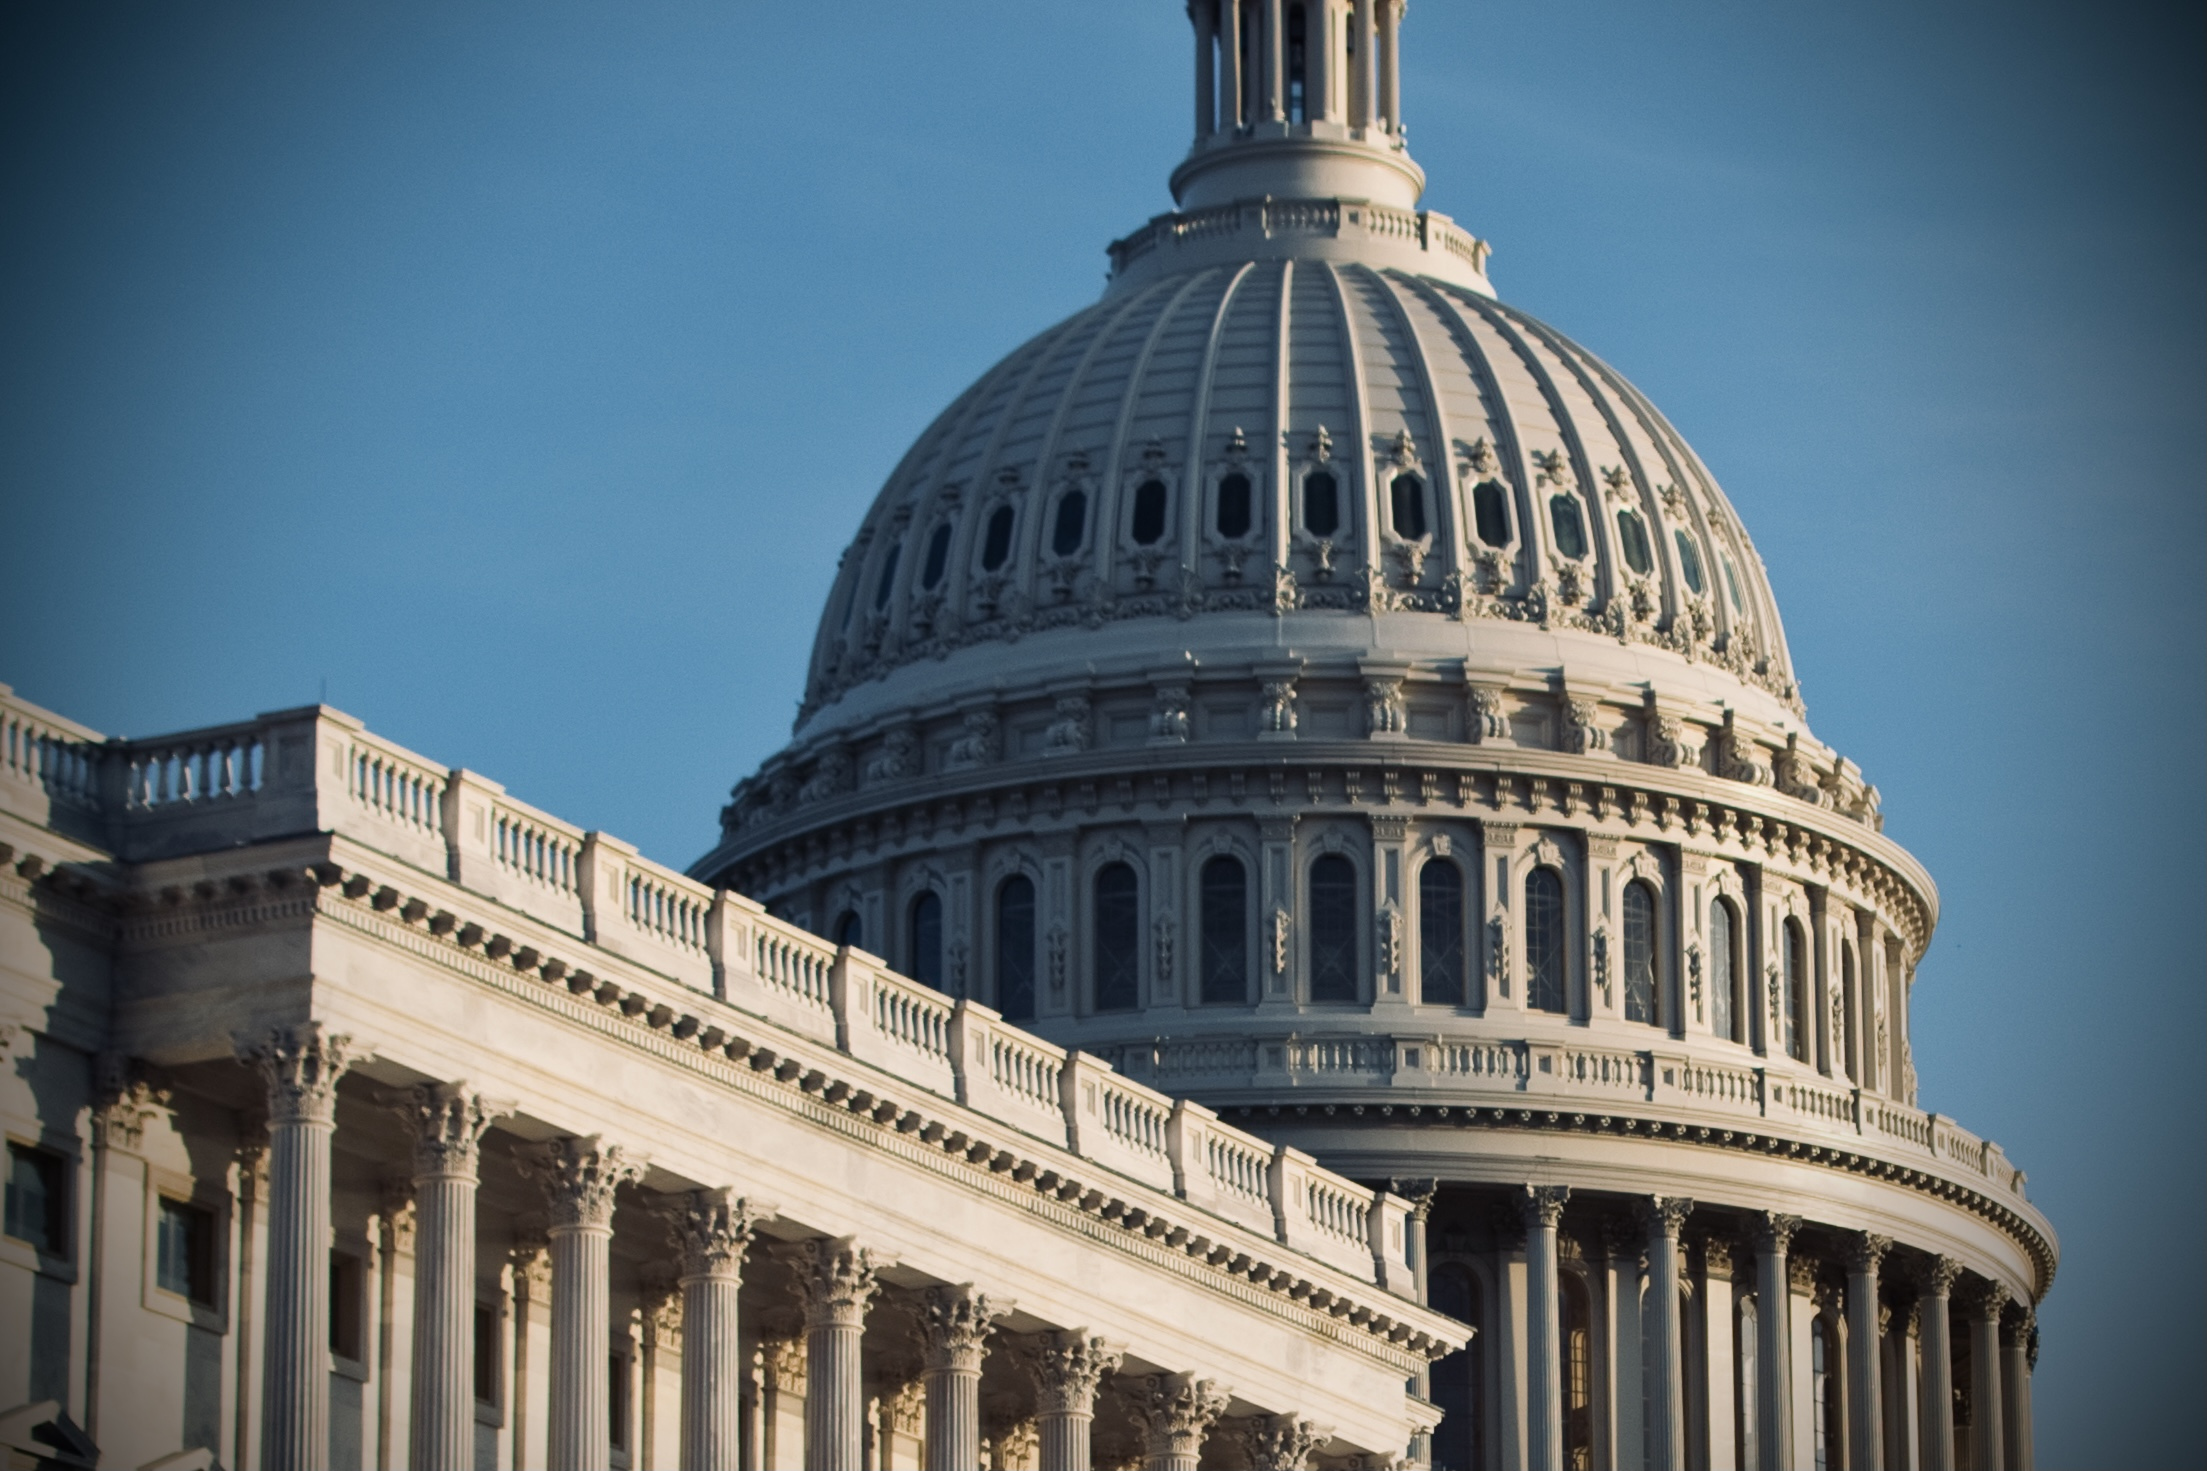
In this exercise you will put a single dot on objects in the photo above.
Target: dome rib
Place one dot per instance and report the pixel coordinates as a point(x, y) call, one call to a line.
point(1108, 490)
point(1360, 414)
point(1440, 457)
point(1199, 414)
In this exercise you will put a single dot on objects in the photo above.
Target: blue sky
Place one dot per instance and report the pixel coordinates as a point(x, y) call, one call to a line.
point(515, 374)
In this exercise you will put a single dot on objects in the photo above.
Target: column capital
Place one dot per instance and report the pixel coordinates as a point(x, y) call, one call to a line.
point(447, 1122)
point(1716, 1257)
point(955, 1323)
point(2020, 1323)
point(1662, 1214)
point(663, 1322)
point(1985, 1297)
point(711, 1231)
point(125, 1098)
point(1281, 1442)
point(399, 1217)
point(580, 1177)
point(1066, 1368)
point(782, 1361)
point(532, 1269)
point(1419, 1190)
point(1801, 1275)
point(1935, 1275)
point(1177, 1412)
point(1775, 1232)
point(1865, 1249)
point(836, 1278)
point(300, 1066)
point(1542, 1205)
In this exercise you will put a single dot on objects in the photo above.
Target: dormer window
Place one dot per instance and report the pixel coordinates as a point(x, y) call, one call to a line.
point(1569, 526)
point(1407, 502)
point(1632, 537)
point(1321, 504)
point(996, 542)
point(1149, 513)
point(1490, 513)
point(1234, 506)
point(1071, 525)
point(938, 556)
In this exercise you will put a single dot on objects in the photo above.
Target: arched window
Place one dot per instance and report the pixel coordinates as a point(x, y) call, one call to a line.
point(1724, 970)
point(1632, 536)
point(1794, 978)
point(1015, 948)
point(1689, 558)
point(1118, 947)
point(924, 959)
point(1459, 1383)
point(1234, 506)
point(1490, 513)
point(1570, 526)
point(1846, 1058)
point(1642, 1004)
point(1746, 1346)
point(1321, 504)
point(1333, 929)
point(1441, 933)
point(1149, 512)
point(888, 578)
point(1406, 498)
point(1544, 950)
point(849, 929)
point(1071, 524)
point(938, 556)
point(996, 542)
point(1575, 1322)
point(1225, 959)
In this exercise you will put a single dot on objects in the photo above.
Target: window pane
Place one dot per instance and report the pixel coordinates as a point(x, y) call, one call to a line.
point(1441, 934)
point(38, 1198)
point(1689, 558)
point(927, 941)
point(345, 1305)
point(1149, 512)
point(1333, 967)
point(1118, 939)
point(1015, 949)
point(1796, 968)
point(486, 1353)
point(1233, 506)
point(1225, 931)
point(1544, 951)
point(997, 544)
point(1640, 1000)
point(184, 1252)
point(1563, 514)
point(616, 1400)
point(1071, 524)
point(1408, 497)
point(1720, 970)
point(938, 554)
point(1632, 535)
point(1490, 513)
point(1321, 504)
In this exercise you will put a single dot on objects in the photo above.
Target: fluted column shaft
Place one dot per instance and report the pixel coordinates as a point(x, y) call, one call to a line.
point(447, 1121)
point(1774, 1348)
point(1543, 1210)
point(1988, 1421)
point(711, 1231)
point(837, 1280)
point(1662, 1216)
point(1865, 1387)
point(1934, 1285)
point(954, 1326)
point(580, 1179)
point(2015, 1388)
point(1066, 1368)
point(301, 1066)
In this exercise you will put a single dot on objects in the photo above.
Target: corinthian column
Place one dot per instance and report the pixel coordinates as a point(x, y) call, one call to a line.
point(1177, 1411)
point(580, 1178)
point(1774, 1350)
point(1066, 1368)
point(1661, 1216)
point(1282, 1442)
point(955, 1324)
point(1542, 1206)
point(836, 1279)
point(447, 1121)
point(301, 1066)
point(1986, 1301)
point(1865, 1397)
point(1934, 1281)
point(2018, 1347)
point(712, 1231)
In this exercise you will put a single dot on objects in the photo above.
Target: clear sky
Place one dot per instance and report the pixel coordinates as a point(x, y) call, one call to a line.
point(513, 375)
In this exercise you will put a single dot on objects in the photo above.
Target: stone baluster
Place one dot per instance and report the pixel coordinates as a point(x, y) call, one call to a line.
point(1176, 1412)
point(1865, 1390)
point(1934, 1281)
point(581, 1178)
point(2018, 1351)
point(836, 1279)
point(1774, 1346)
point(711, 1230)
point(1986, 1300)
point(954, 1327)
point(1281, 1442)
point(1661, 1217)
point(300, 1066)
point(447, 1121)
point(1542, 1206)
point(1066, 1368)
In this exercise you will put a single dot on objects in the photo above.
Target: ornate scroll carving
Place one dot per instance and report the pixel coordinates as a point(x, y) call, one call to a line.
point(711, 1231)
point(1774, 1232)
point(978, 744)
point(301, 1066)
point(955, 1323)
point(835, 1278)
point(1383, 709)
point(125, 1099)
point(447, 1122)
point(1664, 1213)
point(1542, 1205)
point(1277, 716)
point(1177, 1412)
point(1281, 1442)
point(580, 1178)
point(1484, 719)
point(1582, 732)
point(1066, 1368)
point(1168, 716)
point(1866, 1249)
point(1739, 758)
point(898, 758)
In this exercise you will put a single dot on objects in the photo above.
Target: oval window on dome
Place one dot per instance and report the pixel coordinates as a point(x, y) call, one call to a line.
point(1321, 504)
point(1732, 584)
point(888, 578)
point(996, 542)
point(1407, 498)
point(1071, 523)
point(1490, 513)
point(938, 557)
point(1689, 558)
point(1632, 536)
point(1234, 509)
point(1149, 512)
point(1570, 526)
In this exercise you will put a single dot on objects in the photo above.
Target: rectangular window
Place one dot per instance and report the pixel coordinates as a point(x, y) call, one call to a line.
point(185, 1252)
point(347, 1278)
point(486, 1353)
point(38, 1198)
point(616, 1400)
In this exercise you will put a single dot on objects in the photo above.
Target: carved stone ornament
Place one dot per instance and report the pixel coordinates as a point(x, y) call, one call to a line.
point(1601, 963)
point(1483, 717)
point(831, 777)
point(898, 759)
point(1582, 732)
point(301, 1066)
point(125, 1100)
point(955, 1323)
point(1693, 976)
point(711, 1231)
point(976, 745)
point(1055, 947)
point(1775, 1230)
point(1283, 927)
point(1665, 1214)
point(1066, 1368)
point(447, 1122)
point(580, 1179)
point(1552, 470)
point(1168, 717)
point(1281, 1442)
point(1277, 716)
point(783, 1362)
point(1070, 730)
point(1739, 758)
point(1542, 1205)
point(835, 1278)
point(1865, 1249)
point(1390, 940)
point(1177, 1411)
point(1383, 710)
point(1162, 937)
point(1498, 953)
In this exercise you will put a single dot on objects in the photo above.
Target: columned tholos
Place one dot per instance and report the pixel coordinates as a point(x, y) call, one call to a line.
point(1232, 76)
point(1865, 1394)
point(301, 1066)
point(1542, 1206)
point(1282, 1442)
point(1390, 64)
point(1774, 1341)
point(711, 1231)
point(1933, 1283)
point(1988, 1423)
point(581, 1178)
point(1419, 1192)
point(447, 1121)
point(1362, 88)
point(954, 1327)
point(1661, 1216)
point(837, 1281)
point(1066, 1368)
point(1204, 15)
point(1177, 1412)
point(2018, 1332)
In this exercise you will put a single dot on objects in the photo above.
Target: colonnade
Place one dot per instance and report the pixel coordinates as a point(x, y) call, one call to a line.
point(1242, 67)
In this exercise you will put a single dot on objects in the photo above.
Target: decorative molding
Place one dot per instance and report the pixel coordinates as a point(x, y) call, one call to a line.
point(300, 1066)
point(580, 1177)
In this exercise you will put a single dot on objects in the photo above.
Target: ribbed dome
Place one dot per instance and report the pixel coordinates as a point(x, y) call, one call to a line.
point(1298, 451)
